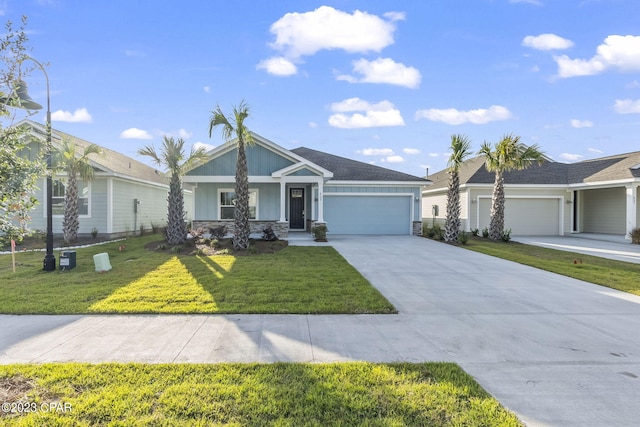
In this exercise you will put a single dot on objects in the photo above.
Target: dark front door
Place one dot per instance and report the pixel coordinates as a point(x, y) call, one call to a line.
point(296, 208)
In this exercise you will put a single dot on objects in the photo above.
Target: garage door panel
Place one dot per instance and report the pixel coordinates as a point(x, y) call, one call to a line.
point(526, 217)
point(367, 214)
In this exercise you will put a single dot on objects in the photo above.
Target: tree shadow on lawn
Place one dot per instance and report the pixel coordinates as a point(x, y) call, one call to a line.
point(33, 291)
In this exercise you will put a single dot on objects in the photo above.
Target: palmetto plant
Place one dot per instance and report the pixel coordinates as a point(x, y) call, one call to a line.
point(234, 128)
point(508, 154)
point(172, 157)
point(77, 166)
point(460, 150)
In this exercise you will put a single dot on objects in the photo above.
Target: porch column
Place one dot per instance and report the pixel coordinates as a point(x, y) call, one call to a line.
point(632, 207)
point(283, 201)
point(321, 202)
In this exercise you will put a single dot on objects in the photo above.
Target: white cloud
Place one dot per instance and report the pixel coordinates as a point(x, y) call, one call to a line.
point(575, 123)
point(299, 34)
point(571, 157)
point(278, 66)
point(134, 53)
point(377, 152)
point(633, 85)
point(207, 89)
point(393, 159)
point(434, 154)
point(534, 2)
point(384, 70)
point(627, 106)
point(135, 133)
point(411, 150)
point(595, 151)
point(375, 115)
point(620, 52)
point(547, 42)
point(453, 116)
point(183, 133)
point(313, 125)
point(81, 115)
point(203, 145)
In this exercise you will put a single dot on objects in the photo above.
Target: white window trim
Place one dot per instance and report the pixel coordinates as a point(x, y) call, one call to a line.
point(226, 190)
point(44, 193)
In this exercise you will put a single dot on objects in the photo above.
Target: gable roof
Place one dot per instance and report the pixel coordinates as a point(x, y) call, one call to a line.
point(109, 161)
point(611, 168)
point(351, 170)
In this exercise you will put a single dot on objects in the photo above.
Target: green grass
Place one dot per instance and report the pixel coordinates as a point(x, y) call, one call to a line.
point(280, 394)
point(623, 276)
point(293, 280)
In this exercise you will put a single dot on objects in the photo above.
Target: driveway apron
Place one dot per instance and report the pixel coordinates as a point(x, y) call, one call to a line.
point(554, 350)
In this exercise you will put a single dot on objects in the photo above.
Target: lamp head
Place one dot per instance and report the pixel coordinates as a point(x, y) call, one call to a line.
point(22, 99)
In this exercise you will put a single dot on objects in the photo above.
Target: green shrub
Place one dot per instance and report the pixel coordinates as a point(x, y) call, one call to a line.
point(635, 236)
point(319, 232)
point(475, 232)
point(506, 235)
point(463, 237)
point(485, 232)
point(94, 232)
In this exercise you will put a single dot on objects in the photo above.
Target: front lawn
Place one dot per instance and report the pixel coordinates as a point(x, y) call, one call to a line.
point(292, 280)
point(623, 276)
point(283, 394)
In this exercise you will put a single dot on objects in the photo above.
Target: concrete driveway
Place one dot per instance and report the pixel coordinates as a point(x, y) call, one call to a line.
point(556, 351)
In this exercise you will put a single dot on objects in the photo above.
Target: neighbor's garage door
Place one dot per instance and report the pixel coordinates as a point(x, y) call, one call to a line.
point(526, 217)
point(367, 214)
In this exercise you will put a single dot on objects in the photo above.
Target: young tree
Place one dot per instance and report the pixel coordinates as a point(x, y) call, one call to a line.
point(172, 157)
point(508, 154)
point(77, 166)
point(19, 169)
point(460, 150)
point(231, 128)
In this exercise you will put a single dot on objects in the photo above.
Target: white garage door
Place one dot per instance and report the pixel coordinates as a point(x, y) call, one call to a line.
point(526, 217)
point(367, 214)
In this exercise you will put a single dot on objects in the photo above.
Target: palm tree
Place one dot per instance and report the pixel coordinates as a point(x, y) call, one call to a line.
point(76, 165)
point(508, 154)
point(172, 157)
point(235, 128)
point(460, 150)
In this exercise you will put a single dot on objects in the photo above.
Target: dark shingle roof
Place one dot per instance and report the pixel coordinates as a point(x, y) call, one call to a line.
point(549, 173)
point(351, 170)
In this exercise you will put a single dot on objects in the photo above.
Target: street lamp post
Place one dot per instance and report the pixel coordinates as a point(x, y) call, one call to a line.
point(24, 101)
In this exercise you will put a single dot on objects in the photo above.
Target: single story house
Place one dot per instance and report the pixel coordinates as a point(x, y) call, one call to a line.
point(124, 197)
point(291, 190)
point(591, 196)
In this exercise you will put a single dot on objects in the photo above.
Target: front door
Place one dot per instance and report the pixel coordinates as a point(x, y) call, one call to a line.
point(296, 208)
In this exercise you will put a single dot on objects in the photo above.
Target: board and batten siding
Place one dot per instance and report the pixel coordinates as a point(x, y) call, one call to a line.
point(260, 162)
point(603, 210)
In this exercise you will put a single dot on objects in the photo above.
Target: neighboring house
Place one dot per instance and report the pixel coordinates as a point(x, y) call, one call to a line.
point(592, 196)
point(291, 190)
point(124, 196)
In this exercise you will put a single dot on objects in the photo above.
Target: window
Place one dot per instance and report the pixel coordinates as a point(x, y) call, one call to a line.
point(57, 198)
point(228, 202)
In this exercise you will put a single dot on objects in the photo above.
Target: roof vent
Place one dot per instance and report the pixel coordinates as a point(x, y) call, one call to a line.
point(635, 167)
point(129, 165)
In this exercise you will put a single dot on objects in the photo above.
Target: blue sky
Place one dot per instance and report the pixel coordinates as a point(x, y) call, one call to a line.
point(386, 82)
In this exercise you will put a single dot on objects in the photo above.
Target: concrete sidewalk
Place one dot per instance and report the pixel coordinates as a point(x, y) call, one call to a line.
point(597, 245)
point(556, 351)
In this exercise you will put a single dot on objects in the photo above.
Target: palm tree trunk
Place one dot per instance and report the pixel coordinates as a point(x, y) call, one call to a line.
point(241, 211)
point(496, 225)
point(452, 224)
point(176, 227)
point(70, 223)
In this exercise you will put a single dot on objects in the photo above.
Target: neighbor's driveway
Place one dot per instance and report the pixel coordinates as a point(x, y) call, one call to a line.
point(554, 350)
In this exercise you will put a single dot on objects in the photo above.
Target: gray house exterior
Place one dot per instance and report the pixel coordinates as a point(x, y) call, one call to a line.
point(291, 190)
point(592, 196)
point(124, 196)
